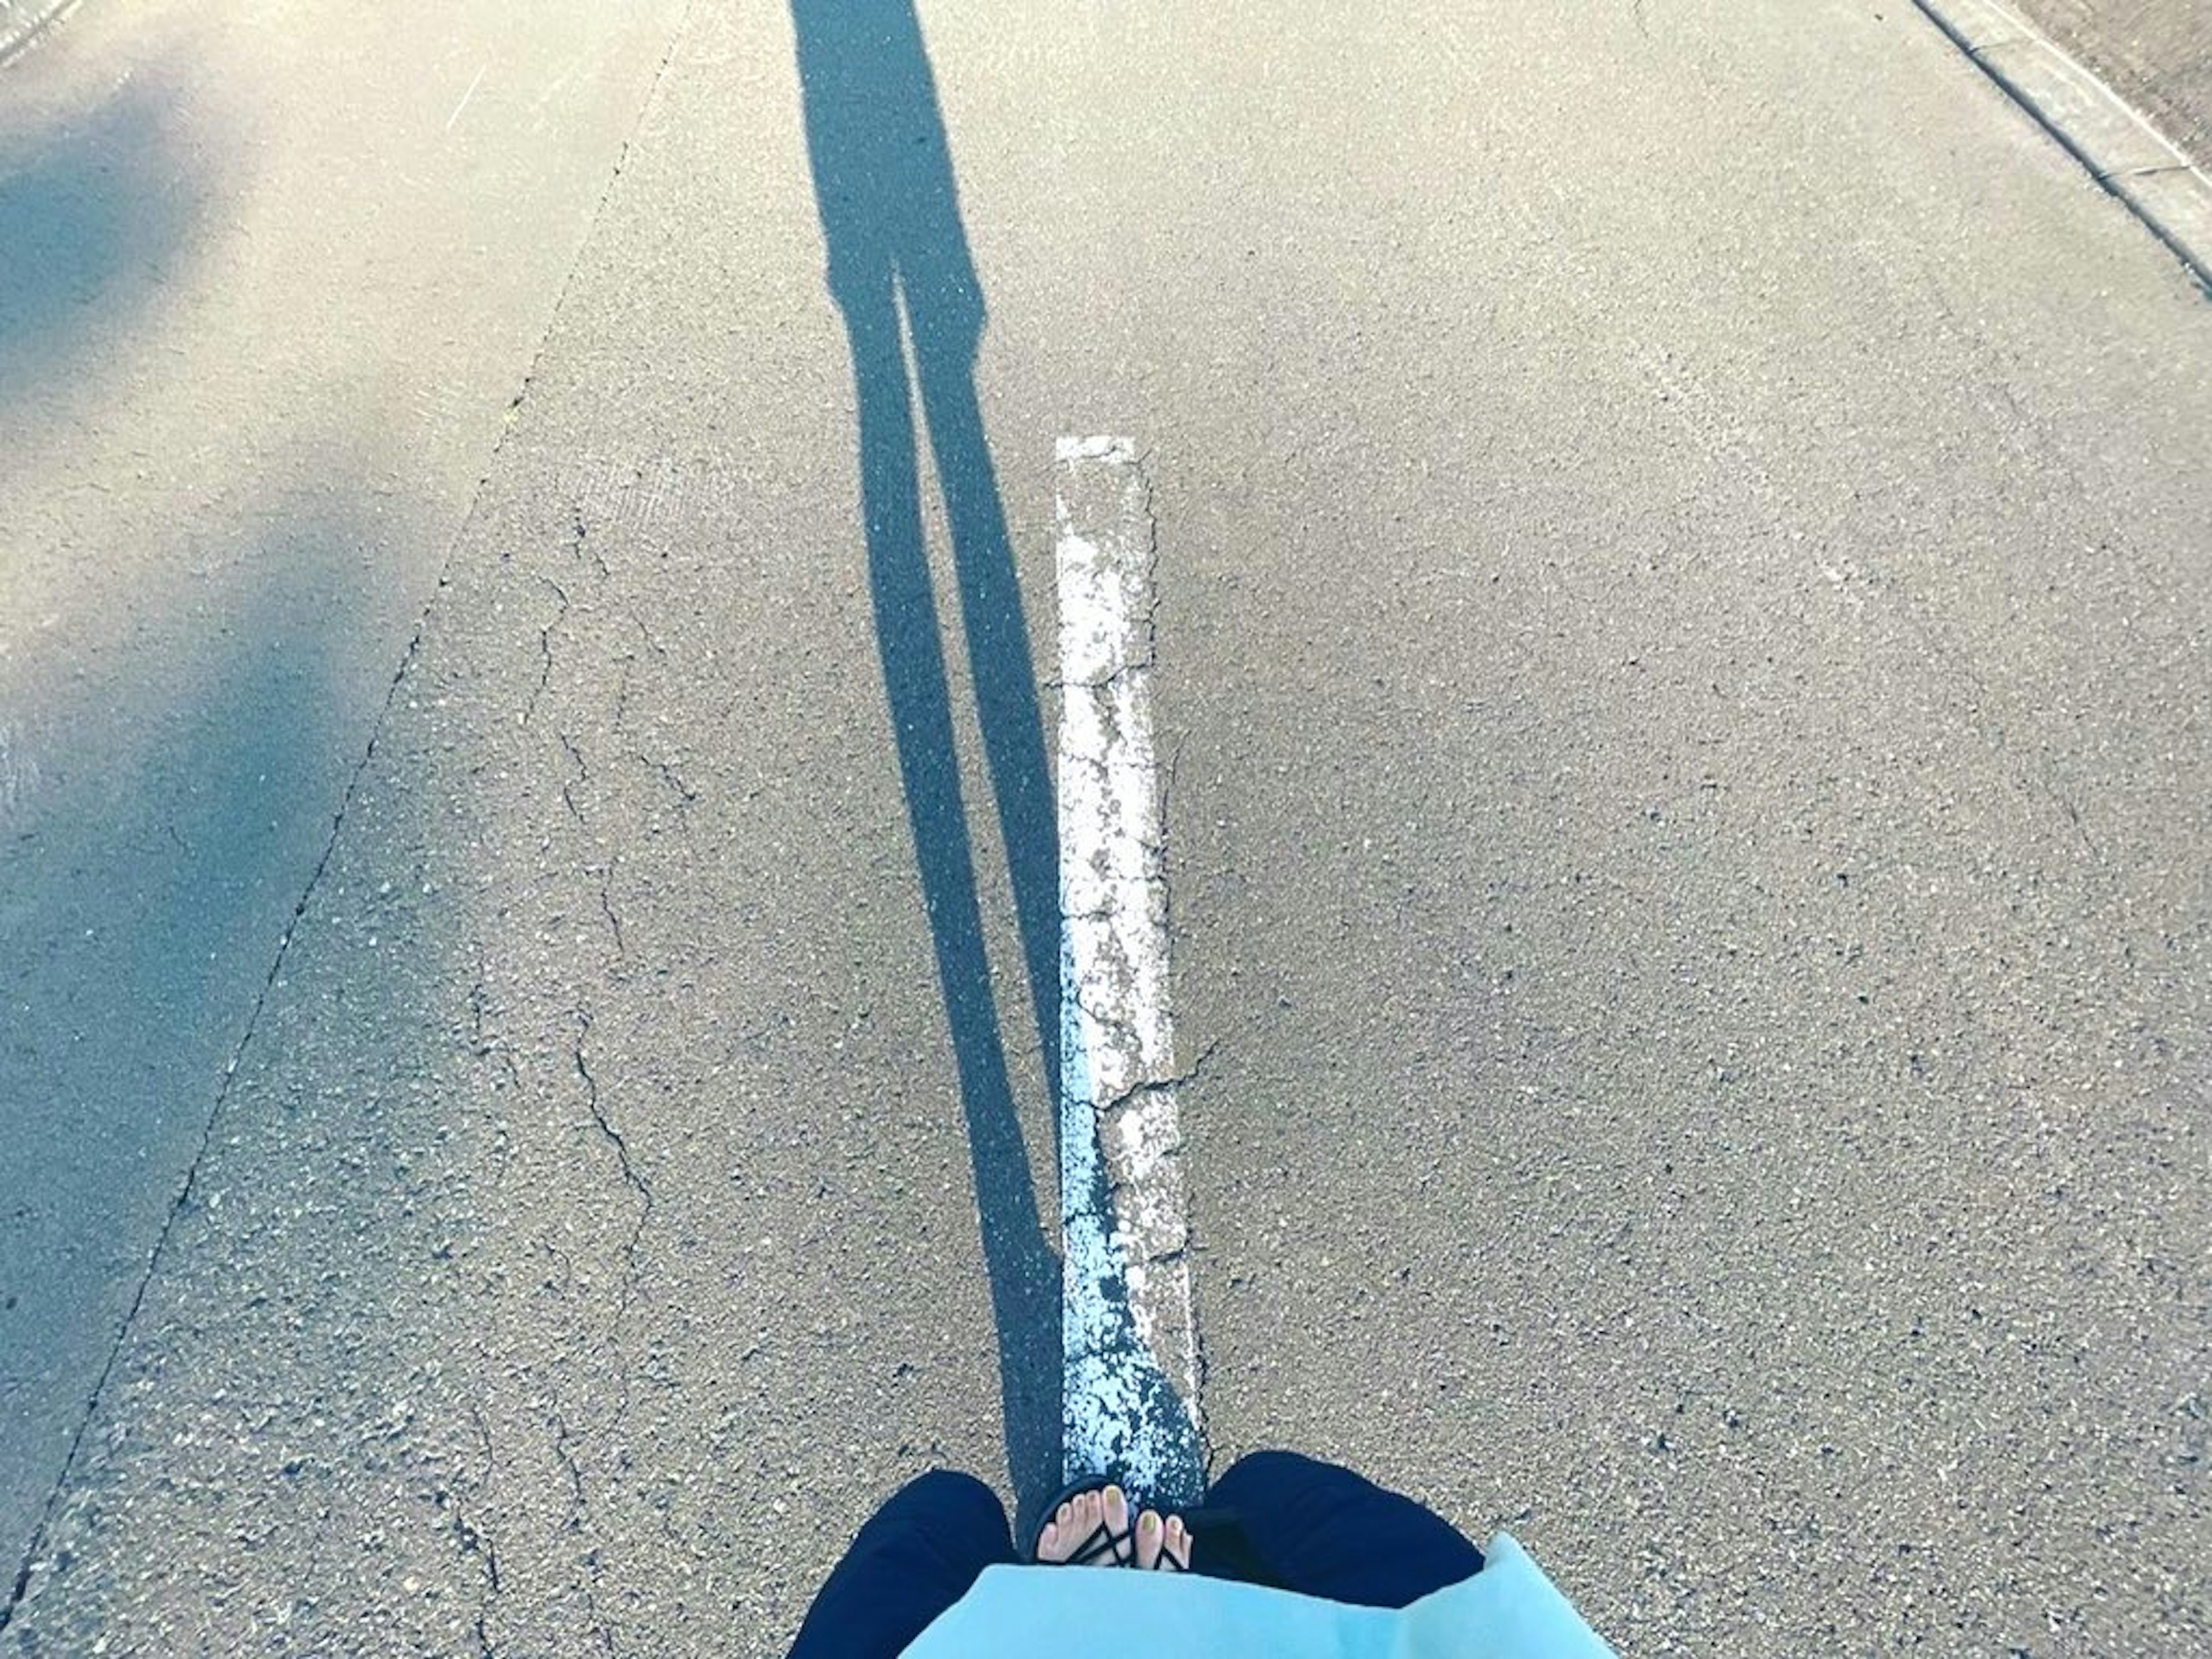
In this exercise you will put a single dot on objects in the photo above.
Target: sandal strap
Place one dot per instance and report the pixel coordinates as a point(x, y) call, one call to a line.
point(1103, 1542)
point(1102, 1538)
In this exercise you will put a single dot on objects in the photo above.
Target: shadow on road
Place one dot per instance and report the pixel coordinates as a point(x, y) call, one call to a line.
point(163, 817)
point(891, 214)
point(93, 219)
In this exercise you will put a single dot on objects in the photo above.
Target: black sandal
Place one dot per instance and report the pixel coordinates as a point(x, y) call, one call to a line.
point(1103, 1543)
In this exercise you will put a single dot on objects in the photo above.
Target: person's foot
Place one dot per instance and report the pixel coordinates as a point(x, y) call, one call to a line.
point(1074, 1536)
point(1164, 1544)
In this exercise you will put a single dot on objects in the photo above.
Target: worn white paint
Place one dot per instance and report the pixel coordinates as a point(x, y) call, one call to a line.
point(465, 96)
point(1131, 1342)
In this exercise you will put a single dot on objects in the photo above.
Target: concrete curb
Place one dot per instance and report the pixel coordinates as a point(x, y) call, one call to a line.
point(2121, 149)
point(22, 21)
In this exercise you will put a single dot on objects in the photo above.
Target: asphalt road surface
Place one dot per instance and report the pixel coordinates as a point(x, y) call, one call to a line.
point(1682, 660)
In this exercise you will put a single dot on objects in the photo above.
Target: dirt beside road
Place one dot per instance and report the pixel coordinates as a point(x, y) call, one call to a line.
point(2157, 54)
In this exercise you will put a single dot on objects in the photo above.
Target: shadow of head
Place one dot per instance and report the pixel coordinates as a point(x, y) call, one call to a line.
point(96, 215)
point(883, 169)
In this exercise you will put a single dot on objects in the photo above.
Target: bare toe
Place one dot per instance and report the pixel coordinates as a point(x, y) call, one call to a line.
point(1090, 1530)
point(1114, 1510)
point(1149, 1533)
point(1055, 1541)
point(1176, 1544)
point(1083, 1507)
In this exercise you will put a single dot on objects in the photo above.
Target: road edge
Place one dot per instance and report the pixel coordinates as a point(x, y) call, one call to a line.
point(2121, 149)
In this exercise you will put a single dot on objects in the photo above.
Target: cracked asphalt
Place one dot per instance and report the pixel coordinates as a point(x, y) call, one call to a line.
point(1682, 631)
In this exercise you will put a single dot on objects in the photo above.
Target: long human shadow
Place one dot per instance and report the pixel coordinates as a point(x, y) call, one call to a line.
point(899, 268)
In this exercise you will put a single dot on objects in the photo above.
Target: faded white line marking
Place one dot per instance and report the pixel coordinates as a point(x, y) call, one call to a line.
point(465, 96)
point(1130, 1341)
point(19, 769)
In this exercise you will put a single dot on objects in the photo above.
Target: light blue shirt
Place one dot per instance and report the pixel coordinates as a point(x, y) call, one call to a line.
point(1509, 1610)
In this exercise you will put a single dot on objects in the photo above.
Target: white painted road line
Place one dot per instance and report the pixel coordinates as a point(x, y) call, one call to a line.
point(465, 96)
point(1132, 1404)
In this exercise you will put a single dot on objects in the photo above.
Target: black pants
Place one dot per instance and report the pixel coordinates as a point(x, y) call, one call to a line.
point(1300, 1524)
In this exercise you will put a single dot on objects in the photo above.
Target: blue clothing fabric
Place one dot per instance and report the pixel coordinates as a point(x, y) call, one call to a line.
point(1274, 1518)
point(1510, 1610)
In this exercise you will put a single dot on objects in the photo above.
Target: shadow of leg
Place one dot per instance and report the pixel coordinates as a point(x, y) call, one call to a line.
point(1024, 1277)
point(998, 660)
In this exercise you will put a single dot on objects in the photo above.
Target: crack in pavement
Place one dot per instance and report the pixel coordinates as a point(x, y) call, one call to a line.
point(484, 1044)
point(685, 794)
point(545, 646)
point(636, 1182)
point(475, 1541)
point(565, 1442)
point(651, 644)
point(472, 1541)
point(1136, 1091)
point(607, 908)
point(583, 774)
point(579, 547)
